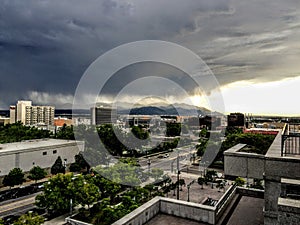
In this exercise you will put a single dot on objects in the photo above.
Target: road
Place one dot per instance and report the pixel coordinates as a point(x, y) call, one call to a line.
point(18, 206)
point(167, 163)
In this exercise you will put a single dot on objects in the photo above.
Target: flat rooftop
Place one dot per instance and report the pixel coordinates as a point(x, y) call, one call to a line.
point(163, 219)
point(249, 211)
point(32, 144)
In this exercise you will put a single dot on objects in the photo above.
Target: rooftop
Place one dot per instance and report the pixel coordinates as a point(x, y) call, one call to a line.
point(32, 144)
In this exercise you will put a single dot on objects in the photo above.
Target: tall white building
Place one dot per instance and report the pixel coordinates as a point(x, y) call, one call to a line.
point(12, 114)
point(21, 110)
point(32, 115)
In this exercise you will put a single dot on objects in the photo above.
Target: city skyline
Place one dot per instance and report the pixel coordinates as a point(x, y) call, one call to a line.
point(251, 47)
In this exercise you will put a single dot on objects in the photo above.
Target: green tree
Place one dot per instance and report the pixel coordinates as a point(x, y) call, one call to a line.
point(58, 166)
point(18, 132)
point(14, 177)
point(156, 173)
point(30, 219)
point(140, 133)
point(210, 175)
point(37, 173)
point(79, 164)
point(239, 181)
point(1, 221)
point(62, 189)
point(65, 132)
point(201, 181)
point(86, 192)
point(173, 129)
point(181, 183)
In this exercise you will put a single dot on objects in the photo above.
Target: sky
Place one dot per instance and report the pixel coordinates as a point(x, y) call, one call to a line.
point(251, 47)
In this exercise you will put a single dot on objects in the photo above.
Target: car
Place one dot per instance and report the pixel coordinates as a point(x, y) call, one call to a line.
point(160, 156)
point(166, 155)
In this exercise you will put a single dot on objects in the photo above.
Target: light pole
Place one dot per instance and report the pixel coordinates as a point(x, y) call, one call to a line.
point(188, 187)
point(149, 164)
point(178, 172)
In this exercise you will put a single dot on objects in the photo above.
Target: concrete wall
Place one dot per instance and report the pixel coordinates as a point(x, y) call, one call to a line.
point(289, 211)
point(189, 210)
point(243, 164)
point(142, 214)
point(75, 222)
point(43, 157)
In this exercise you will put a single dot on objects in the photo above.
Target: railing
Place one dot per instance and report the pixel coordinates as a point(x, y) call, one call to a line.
point(225, 198)
point(290, 140)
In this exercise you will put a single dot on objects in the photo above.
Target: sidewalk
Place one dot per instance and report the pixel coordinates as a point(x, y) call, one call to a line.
point(57, 221)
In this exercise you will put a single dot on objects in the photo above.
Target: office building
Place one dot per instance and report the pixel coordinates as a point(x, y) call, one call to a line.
point(236, 120)
point(103, 115)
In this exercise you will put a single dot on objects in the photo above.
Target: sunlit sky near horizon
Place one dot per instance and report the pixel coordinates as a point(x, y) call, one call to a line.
point(252, 48)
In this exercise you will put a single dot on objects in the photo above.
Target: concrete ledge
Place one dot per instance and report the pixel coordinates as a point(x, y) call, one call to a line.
point(289, 205)
point(243, 164)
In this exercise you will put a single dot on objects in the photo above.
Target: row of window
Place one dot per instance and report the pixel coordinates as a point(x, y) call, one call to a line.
point(54, 152)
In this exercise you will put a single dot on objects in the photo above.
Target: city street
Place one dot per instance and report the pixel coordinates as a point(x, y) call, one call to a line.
point(17, 206)
point(168, 163)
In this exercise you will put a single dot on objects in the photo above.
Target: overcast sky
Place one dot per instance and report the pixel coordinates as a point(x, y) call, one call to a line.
point(252, 47)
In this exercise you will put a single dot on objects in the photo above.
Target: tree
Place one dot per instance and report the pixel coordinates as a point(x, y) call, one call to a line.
point(62, 189)
point(37, 173)
point(1, 221)
point(139, 133)
point(79, 164)
point(65, 132)
point(210, 175)
point(173, 129)
point(58, 166)
point(86, 192)
point(239, 181)
point(156, 173)
point(29, 219)
point(18, 132)
point(201, 181)
point(14, 177)
point(181, 183)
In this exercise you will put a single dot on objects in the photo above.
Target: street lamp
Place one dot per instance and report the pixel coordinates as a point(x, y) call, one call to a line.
point(188, 187)
point(149, 164)
point(178, 172)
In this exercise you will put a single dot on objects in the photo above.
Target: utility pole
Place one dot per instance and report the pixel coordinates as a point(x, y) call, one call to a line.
point(178, 172)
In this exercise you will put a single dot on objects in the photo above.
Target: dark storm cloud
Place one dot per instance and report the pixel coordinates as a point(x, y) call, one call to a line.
point(45, 46)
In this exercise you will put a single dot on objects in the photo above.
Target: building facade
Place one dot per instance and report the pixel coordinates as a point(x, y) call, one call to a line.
point(41, 152)
point(103, 115)
point(21, 111)
point(279, 169)
point(32, 115)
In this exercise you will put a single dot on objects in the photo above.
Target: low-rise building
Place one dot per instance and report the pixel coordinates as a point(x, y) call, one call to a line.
point(39, 152)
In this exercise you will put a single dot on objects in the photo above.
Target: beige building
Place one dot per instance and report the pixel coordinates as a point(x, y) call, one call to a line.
point(21, 110)
point(32, 115)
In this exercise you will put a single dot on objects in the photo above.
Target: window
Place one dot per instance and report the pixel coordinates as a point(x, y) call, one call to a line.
point(44, 153)
point(54, 151)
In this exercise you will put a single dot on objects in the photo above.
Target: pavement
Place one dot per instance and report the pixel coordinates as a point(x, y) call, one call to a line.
point(249, 211)
point(57, 221)
point(196, 193)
